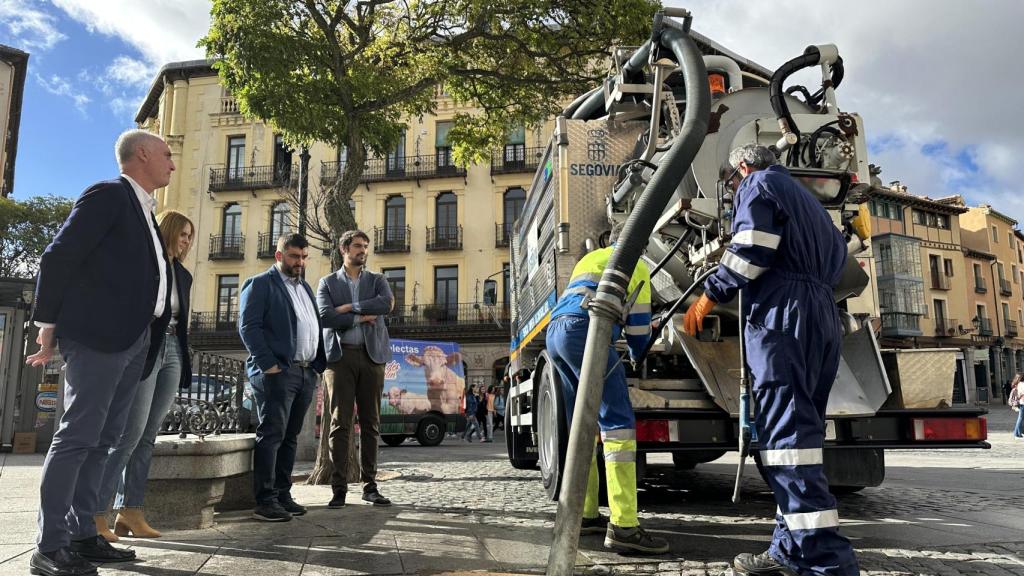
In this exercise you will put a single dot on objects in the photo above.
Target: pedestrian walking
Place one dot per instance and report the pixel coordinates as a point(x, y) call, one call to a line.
point(280, 328)
point(353, 302)
point(472, 424)
point(499, 407)
point(127, 468)
point(566, 340)
point(101, 284)
point(787, 255)
point(1016, 402)
point(482, 414)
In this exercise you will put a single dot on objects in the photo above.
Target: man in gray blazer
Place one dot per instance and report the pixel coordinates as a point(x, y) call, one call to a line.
point(352, 304)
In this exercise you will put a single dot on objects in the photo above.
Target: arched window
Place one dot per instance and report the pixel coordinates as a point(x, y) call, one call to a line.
point(446, 218)
point(512, 204)
point(280, 221)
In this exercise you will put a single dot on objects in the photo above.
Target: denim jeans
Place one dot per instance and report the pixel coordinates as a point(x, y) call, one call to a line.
point(1018, 429)
point(127, 466)
point(472, 425)
point(281, 403)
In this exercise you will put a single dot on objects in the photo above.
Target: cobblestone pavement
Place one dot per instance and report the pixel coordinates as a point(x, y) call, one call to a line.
point(462, 507)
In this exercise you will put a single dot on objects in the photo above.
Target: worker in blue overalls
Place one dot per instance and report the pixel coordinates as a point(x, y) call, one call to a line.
point(566, 340)
point(787, 256)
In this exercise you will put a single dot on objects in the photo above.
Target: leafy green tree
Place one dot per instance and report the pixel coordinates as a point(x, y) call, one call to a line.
point(347, 73)
point(27, 228)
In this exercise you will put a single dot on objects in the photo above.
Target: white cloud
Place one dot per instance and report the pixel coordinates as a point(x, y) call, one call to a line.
point(162, 30)
point(128, 71)
point(61, 87)
point(30, 28)
point(919, 72)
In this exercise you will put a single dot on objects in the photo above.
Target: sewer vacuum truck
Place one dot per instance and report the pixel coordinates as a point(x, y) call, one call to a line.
point(610, 149)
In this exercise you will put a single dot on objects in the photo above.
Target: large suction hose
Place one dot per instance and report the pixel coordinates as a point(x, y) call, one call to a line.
point(607, 306)
point(593, 101)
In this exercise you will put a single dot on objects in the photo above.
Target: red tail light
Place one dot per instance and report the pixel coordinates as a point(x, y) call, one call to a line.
point(938, 429)
point(652, 431)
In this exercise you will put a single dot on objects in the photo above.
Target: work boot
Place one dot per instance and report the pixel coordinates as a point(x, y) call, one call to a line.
point(103, 529)
point(633, 541)
point(271, 512)
point(291, 506)
point(338, 501)
point(132, 522)
point(594, 525)
point(761, 565)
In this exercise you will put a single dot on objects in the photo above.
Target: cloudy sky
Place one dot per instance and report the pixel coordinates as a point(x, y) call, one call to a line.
point(937, 82)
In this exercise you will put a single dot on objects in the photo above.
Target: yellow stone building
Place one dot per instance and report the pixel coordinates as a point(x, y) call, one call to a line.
point(13, 71)
point(437, 231)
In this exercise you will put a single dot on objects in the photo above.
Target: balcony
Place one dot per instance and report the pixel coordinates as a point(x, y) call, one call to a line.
point(513, 159)
point(463, 322)
point(502, 234)
point(227, 246)
point(1004, 287)
point(984, 326)
point(395, 168)
point(251, 178)
point(266, 245)
point(940, 281)
point(979, 285)
point(391, 239)
point(228, 105)
point(215, 330)
point(901, 324)
point(946, 327)
point(1011, 327)
point(444, 238)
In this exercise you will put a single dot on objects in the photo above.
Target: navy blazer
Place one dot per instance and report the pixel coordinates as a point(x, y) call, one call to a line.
point(183, 282)
point(98, 280)
point(374, 298)
point(267, 324)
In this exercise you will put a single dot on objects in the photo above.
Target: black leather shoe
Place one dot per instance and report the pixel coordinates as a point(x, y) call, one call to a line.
point(376, 499)
point(338, 501)
point(61, 562)
point(97, 549)
point(760, 564)
point(292, 507)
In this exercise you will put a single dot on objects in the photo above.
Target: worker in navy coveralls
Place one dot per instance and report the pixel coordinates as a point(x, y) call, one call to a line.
point(787, 256)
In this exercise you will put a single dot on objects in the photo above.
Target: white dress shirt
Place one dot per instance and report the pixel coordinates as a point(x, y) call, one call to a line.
point(307, 329)
point(148, 205)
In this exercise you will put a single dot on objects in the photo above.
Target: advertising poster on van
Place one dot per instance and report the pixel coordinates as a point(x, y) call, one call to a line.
point(422, 377)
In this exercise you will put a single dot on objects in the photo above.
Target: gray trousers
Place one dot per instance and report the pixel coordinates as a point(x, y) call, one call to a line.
point(99, 388)
point(354, 383)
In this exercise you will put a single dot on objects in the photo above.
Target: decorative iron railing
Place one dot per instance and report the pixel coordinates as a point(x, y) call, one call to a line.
point(513, 159)
point(391, 239)
point(444, 238)
point(227, 246)
point(218, 399)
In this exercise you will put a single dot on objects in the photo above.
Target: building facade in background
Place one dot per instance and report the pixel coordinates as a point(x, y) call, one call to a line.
point(437, 231)
point(13, 70)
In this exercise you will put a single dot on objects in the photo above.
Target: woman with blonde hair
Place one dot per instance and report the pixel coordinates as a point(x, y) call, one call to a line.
point(1016, 402)
point(127, 467)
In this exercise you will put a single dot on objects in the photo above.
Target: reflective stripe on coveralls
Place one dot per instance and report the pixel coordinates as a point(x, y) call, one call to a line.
point(786, 254)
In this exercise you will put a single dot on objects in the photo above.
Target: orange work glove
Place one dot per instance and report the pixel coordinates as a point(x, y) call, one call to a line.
point(694, 319)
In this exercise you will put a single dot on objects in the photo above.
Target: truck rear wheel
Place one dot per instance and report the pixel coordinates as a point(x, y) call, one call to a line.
point(515, 445)
point(552, 429)
point(431, 430)
point(393, 439)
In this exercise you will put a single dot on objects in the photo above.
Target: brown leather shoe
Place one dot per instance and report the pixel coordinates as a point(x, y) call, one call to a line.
point(103, 529)
point(133, 521)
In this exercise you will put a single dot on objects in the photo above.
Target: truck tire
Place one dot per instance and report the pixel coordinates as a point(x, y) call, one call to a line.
point(515, 445)
point(552, 429)
point(431, 430)
point(688, 460)
point(393, 439)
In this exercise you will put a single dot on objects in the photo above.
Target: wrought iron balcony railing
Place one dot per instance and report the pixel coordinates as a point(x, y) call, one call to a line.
point(445, 314)
point(502, 234)
point(251, 178)
point(946, 327)
point(211, 322)
point(444, 238)
point(940, 281)
point(979, 285)
point(1004, 287)
point(395, 168)
point(217, 399)
point(391, 239)
point(266, 245)
point(984, 326)
point(514, 158)
point(1011, 327)
point(227, 246)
